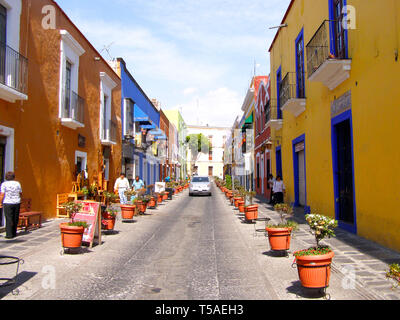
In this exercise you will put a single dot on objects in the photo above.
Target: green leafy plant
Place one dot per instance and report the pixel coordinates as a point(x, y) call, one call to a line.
point(250, 196)
point(83, 224)
point(321, 226)
point(394, 273)
point(85, 191)
point(111, 212)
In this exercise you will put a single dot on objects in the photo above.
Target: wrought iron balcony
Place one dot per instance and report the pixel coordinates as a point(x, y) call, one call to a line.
point(271, 112)
point(322, 65)
point(72, 110)
point(109, 133)
point(13, 74)
point(292, 95)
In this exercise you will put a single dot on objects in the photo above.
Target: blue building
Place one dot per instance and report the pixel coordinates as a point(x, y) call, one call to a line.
point(140, 129)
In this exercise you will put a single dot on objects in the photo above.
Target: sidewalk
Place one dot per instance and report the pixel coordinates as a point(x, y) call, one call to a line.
point(368, 260)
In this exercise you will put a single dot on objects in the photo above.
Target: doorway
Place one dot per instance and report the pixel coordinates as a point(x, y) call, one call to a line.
point(299, 171)
point(343, 172)
point(3, 142)
point(278, 155)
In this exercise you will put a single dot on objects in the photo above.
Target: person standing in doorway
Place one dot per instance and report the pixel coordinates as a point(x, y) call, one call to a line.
point(121, 186)
point(10, 201)
point(271, 182)
point(278, 190)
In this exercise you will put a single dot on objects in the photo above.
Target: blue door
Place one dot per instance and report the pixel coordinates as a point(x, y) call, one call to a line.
point(343, 171)
point(278, 153)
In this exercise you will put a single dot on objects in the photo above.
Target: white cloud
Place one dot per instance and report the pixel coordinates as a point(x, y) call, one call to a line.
point(217, 107)
point(189, 91)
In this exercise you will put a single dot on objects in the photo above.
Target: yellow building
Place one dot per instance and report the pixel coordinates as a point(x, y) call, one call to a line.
point(335, 105)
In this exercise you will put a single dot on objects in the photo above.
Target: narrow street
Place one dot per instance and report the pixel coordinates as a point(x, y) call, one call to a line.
point(187, 248)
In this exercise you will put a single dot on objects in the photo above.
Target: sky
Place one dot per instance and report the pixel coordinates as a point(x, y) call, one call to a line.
point(194, 55)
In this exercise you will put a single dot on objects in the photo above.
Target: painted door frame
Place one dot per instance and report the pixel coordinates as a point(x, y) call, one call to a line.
point(346, 115)
point(278, 149)
point(278, 92)
point(299, 139)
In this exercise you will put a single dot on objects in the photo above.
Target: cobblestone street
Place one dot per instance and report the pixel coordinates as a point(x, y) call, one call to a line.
point(190, 248)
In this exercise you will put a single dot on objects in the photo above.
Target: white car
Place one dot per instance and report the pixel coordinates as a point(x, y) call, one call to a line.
point(200, 185)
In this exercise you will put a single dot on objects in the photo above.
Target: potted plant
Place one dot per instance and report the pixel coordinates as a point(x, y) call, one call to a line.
point(85, 192)
point(394, 274)
point(314, 264)
point(128, 210)
point(251, 210)
point(279, 235)
point(108, 221)
point(72, 232)
point(109, 197)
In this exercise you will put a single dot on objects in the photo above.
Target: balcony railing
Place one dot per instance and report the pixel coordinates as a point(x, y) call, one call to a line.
point(271, 112)
point(322, 65)
point(73, 109)
point(109, 133)
point(292, 96)
point(13, 70)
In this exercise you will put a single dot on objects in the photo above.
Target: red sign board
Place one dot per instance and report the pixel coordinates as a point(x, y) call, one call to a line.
point(92, 216)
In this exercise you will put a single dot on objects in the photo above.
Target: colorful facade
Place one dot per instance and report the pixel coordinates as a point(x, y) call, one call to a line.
point(59, 107)
point(262, 139)
point(175, 117)
point(335, 86)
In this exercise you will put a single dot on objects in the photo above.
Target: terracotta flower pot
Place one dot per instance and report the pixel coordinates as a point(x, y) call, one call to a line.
point(71, 236)
point(279, 238)
point(127, 211)
point(237, 199)
point(159, 198)
point(241, 206)
point(142, 206)
point(108, 223)
point(165, 196)
point(314, 271)
point(152, 203)
point(251, 212)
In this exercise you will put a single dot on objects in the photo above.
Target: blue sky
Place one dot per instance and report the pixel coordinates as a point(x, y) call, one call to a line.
point(194, 55)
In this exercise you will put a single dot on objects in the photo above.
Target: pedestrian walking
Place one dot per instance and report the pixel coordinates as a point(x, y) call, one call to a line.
point(10, 201)
point(278, 190)
point(271, 182)
point(121, 186)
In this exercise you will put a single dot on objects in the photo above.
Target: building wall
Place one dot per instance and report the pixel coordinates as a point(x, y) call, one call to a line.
point(219, 136)
point(373, 84)
point(44, 149)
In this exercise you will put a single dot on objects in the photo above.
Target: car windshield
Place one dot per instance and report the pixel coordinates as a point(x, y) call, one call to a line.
point(200, 179)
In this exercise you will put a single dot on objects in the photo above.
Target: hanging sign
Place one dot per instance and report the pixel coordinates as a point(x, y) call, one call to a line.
point(91, 214)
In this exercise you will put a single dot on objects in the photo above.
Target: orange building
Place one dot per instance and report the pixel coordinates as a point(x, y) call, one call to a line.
point(63, 115)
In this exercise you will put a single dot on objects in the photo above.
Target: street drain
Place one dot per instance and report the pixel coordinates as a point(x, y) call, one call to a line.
point(156, 290)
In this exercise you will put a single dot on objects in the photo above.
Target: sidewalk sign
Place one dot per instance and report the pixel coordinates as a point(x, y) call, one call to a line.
point(91, 213)
point(159, 187)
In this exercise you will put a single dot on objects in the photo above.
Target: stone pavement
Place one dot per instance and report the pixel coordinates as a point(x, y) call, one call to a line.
point(367, 260)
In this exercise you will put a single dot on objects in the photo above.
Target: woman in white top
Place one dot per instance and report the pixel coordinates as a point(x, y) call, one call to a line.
point(10, 200)
point(278, 190)
point(121, 185)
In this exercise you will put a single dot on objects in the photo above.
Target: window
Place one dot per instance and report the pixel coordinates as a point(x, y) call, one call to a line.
point(68, 72)
point(108, 128)
point(210, 152)
point(340, 44)
point(71, 105)
point(210, 171)
point(201, 179)
point(278, 88)
point(3, 41)
point(300, 79)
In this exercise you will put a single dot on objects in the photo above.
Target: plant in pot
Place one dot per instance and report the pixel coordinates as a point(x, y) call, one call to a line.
point(279, 235)
point(394, 274)
point(85, 192)
point(72, 232)
point(314, 264)
point(128, 210)
point(109, 197)
point(141, 201)
point(241, 202)
point(250, 210)
point(108, 221)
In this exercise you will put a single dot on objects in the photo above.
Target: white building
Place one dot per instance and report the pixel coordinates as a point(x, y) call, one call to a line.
point(211, 163)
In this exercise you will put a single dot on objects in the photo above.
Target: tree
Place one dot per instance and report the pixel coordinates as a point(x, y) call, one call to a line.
point(197, 144)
